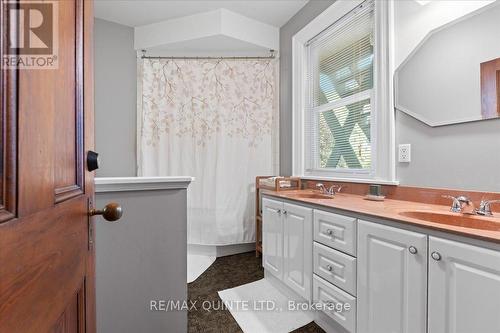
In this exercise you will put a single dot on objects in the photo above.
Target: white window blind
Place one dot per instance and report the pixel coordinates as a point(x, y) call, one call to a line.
point(340, 89)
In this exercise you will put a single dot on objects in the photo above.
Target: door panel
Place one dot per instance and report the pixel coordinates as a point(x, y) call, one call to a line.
point(272, 237)
point(72, 319)
point(8, 132)
point(47, 270)
point(297, 249)
point(392, 282)
point(69, 170)
point(43, 264)
point(464, 288)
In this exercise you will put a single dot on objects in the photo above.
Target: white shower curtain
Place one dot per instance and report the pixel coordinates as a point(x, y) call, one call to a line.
point(214, 120)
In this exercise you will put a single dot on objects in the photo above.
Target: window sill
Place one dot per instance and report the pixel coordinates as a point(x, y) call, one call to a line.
point(352, 180)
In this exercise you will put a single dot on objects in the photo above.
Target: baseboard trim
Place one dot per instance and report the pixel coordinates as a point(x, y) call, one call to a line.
point(220, 250)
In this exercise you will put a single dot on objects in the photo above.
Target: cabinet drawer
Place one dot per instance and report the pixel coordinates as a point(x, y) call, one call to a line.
point(335, 267)
point(326, 293)
point(336, 231)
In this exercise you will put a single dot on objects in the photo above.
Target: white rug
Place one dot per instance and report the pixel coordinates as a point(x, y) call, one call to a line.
point(247, 304)
point(197, 264)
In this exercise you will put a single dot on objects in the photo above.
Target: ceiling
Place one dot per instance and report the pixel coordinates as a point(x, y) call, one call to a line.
point(141, 12)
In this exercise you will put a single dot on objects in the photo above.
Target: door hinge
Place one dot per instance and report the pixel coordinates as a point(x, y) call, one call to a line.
point(90, 225)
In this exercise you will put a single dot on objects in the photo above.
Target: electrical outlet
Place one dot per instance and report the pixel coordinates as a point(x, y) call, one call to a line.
point(405, 153)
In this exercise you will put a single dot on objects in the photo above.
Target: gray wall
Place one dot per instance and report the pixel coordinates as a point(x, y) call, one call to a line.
point(141, 257)
point(115, 99)
point(463, 156)
point(295, 24)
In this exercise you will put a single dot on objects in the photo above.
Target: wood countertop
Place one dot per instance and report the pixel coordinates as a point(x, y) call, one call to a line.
point(433, 216)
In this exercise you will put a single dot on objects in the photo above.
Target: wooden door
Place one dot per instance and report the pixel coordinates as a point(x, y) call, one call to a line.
point(297, 249)
point(272, 237)
point(392, 279)
point(46, 255)
point(464, 288)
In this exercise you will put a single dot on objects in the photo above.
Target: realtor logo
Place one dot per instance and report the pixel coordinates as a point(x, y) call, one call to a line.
point(33, 32)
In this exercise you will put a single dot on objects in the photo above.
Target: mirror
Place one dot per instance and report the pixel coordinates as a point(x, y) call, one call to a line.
point(453, 75)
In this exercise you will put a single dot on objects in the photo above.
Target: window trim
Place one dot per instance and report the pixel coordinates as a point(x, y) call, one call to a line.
point(383, 142)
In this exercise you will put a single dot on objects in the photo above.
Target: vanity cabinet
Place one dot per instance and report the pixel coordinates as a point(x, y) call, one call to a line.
point(287, 244)
point(464, 288)
point(392, 279)
point(395, 280)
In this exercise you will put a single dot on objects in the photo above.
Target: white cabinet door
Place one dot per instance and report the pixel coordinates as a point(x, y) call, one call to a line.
point(392, 281)
point(272, 237)
point(464, 288)
point(297, 245)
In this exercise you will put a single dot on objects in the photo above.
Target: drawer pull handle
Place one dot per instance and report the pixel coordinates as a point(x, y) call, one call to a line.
point(436, 256)
point(329, 268)
point(412, 250)
point(329, 232)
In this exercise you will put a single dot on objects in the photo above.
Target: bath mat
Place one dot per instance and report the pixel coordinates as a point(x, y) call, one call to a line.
point(196, 265)
point(258, 307)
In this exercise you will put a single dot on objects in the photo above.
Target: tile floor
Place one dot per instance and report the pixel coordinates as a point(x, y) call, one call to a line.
point(225, 272)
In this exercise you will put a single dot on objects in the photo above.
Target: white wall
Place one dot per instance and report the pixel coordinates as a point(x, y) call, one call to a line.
point(412, 21)
point(197, 28)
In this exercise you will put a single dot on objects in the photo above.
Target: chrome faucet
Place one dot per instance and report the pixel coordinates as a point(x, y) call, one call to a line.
point(331, 191)
point(460, 203)
point(485, 207)
point(463, 204)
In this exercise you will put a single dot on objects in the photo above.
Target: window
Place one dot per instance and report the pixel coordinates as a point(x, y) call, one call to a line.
point(342, 123)
point(340, 86)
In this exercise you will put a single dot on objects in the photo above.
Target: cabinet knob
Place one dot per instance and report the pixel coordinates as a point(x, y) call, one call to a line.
point(329, 232)
point(436, 256)
point(412, 249)
point(329, 268)
point(284, 212)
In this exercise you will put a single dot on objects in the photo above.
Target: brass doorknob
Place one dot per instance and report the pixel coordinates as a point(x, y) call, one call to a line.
point(110, 212)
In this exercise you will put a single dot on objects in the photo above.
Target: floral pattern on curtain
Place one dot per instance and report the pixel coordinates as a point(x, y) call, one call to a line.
point(213, 119)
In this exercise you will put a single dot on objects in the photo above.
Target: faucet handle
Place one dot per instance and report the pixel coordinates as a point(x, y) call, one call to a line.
point(485, 207)
point(456, 205)
point(335, 188)
point(464, 199)
point(321, 187)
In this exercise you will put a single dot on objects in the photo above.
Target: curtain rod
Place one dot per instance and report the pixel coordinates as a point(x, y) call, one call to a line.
point(270, 56)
